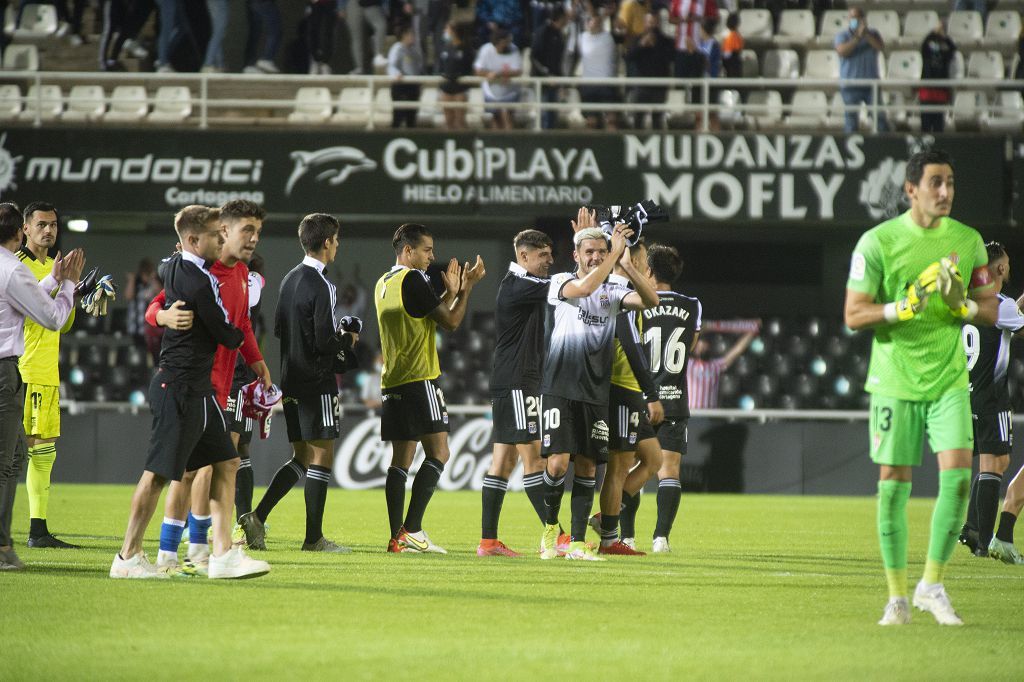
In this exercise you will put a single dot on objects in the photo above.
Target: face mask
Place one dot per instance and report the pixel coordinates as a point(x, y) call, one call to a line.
point(854, 23)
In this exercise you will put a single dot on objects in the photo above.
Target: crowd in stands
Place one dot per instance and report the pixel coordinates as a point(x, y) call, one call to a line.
point(500, 40)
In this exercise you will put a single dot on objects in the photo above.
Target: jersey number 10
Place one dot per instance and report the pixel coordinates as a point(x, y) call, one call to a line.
point(674, 353)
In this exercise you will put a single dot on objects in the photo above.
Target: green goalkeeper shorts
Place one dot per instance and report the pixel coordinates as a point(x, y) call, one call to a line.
point(897, 427)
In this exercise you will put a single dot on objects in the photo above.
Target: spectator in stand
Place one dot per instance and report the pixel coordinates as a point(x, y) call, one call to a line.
point(69, 22)
point(174, 29)
point(358, 14)
point(453, 63)
point(632, 24)
point(141, 287)
point(688, 15)
point(858, 47)
point(703, 375)
point(122, 21)
point(712, 52)
point(214, 60)
point(547, 57)
point(405, 59)
point(1018, 73)
point(264, 23)
point(439, 12)
point(505, 14)
point(732, 48)
point(540, 12)
point(652, 56)
point(599, 59)
point(321, 21)
point(937, 52)
point(498, 62)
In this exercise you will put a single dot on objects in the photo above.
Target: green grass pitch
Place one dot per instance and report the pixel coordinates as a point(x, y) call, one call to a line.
point(756, 588)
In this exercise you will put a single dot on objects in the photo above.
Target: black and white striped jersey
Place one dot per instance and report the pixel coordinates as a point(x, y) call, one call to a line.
point(988, 357)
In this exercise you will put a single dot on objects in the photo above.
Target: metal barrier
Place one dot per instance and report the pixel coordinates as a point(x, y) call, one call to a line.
point(202, 85)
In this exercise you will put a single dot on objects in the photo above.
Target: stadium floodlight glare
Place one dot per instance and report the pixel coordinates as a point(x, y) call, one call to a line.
point(78, 225)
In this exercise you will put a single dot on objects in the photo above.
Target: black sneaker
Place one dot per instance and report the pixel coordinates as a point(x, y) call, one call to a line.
point(969, 538)
point(981, 552)
point(50, 542)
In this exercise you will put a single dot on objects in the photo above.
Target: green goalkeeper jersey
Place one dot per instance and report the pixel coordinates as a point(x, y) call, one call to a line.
point(922, 358)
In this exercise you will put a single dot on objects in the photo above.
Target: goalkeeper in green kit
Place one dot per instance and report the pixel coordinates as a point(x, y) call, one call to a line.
point(907, 282)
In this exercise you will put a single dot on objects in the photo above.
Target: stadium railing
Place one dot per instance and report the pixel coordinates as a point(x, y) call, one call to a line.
point(207, 101)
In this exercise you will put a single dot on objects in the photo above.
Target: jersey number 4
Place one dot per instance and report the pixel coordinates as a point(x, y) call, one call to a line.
point(674, 354)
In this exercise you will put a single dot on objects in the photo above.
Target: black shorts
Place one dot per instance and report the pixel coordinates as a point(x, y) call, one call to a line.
point(993, 433)
point(237, 421)
point(189, 430)
point(628, 423)
point(574, 427)
point(315, 417)
point(672, 435)
point(516, 416)
point(412, 410)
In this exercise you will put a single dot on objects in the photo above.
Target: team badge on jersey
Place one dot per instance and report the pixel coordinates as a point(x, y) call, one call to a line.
point(857, 266)
point(547, 439)
point(604, 301)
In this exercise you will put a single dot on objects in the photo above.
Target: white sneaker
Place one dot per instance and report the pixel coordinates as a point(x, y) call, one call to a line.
point(660, 546)
point(933, 598)
point(137, 567)
point(418, 542)
point(135, 50)
point(380, 61)
point(314, 68)
point(236, 564)
point(165, 68)
point(62, 29)
point(267, 66)
point(76, 40)
point(325, 69)
point(629, 542)
point(897, 612)
point(251, 69)
point(198, 553)
point(210, 69)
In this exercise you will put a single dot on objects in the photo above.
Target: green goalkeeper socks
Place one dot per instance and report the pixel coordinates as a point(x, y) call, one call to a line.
point(954, 487)
point(892, 533)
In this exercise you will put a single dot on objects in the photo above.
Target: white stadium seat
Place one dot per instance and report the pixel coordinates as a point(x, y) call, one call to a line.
point(986, 65)
point(833, 22)
point(730, 115)
point(21, 58)
point(353, 106)
point(968, 106)
point(312, 105)
point(965, 28)
point(887, 23)
point(821, 64)
point(382, 107)
point(796, 27)
point(809, 109)
point(127, 104)
point(430, 114)
point(916, 25)
point(1002, 29)
point(781, 64)
point(45, 99)
point(172, 104)
point(765, 108)
point(1006, 114)
point(85, 103)
point(904, 65)
point(10, 102)
point(37, 21)
point(756, 25)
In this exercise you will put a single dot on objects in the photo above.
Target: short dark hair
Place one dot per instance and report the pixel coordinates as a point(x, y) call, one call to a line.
point(732, 22)
point(531, 239)
point(315, 229)
point(710, 24)
point(995, 250)
point(556, 13)
point(409, 234)
point(499, 34)
point(242, 208)
point(194, 219)
point(42, 207)
point(11, 221)
point(665, 262)
point(917, 162)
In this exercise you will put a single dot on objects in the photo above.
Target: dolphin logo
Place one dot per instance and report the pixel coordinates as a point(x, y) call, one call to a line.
point(349, 160)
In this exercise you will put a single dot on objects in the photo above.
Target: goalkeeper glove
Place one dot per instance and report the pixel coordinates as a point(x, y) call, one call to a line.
point(95, 302)
point(951, 287)
point(917, 296)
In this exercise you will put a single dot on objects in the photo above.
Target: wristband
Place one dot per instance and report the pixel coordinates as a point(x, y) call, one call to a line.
point(968, 310)
point(889, 311)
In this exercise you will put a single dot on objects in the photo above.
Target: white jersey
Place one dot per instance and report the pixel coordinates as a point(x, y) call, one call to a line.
point(580, 333)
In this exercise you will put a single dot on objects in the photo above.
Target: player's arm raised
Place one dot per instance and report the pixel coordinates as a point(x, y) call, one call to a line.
point(450, 316)
point(581, 288)
point(645, 295)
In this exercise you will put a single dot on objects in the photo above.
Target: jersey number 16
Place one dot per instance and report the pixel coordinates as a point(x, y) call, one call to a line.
point(674, 353)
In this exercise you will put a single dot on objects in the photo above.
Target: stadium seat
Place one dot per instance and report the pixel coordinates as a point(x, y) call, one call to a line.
point(756, 25)
point(37, 21)
point(21, 58)
point(1006, 114)
point(721, 31)
point(958, 66)
point(837, 111)
point(965, 28)
point(10, 102)
point(904, 65)
point(172, 104)
point(916, 25)
point(796, 27)
point(987, 65)
point(730, 115)
point(902, 112)
point(809, 109)
point(750, 66)
point(574, 116)
point(833, 22)
point(968, 106)
point(887, 23)
point(382, 108)
point(430, 114)
point(476, 116)
point(312, 105)
point(822, 64)
point(46, 100)
point(1002, 29)
point(765, 108)
point(781, 64)
point(85, 103)
point(127, 103)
